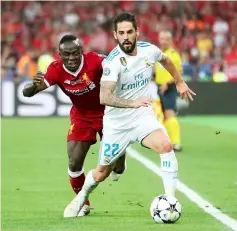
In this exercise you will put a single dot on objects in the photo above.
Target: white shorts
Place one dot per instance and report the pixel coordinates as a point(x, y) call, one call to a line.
point(115, 141)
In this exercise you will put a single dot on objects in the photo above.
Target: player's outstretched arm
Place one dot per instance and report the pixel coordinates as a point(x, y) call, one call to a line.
point(108, 97)
point(183, 89)
point(36, 86)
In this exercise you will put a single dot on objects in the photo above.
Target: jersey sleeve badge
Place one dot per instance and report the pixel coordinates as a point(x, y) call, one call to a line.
point(106, 71)
point(123, 61)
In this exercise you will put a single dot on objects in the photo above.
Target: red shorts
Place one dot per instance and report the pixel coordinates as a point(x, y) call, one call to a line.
point(84, 129)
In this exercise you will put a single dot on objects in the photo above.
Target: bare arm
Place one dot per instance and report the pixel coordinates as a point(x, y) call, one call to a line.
point(108, 97)
point(36, 86)
point(170, 67)
point(183, 89)
point(166, 62)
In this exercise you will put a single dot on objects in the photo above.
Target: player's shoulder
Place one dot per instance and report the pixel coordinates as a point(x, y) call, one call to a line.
point(148, 49)
point(146, 46)
point(94, 56)
point(113, 55)
point(143, 44)
point(56, 65)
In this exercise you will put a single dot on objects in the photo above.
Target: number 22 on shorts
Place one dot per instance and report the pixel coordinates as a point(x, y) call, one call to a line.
point(108, 147)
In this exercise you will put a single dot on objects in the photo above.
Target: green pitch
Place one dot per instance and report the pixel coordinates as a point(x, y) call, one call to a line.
point(35, 186)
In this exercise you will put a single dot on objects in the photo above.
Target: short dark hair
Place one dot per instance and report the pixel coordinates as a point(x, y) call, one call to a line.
point(125, 17)
point(67, 38)
point(70, 38)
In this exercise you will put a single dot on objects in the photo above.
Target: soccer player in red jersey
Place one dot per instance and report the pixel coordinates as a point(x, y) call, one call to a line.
point(78, 74)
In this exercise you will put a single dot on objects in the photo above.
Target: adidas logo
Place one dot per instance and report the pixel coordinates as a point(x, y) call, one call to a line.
point(125, 70)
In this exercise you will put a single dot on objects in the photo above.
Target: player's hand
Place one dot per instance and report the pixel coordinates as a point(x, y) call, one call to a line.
point(142, 102)
point(184, 91)
point(163, 88)
point(38, 80)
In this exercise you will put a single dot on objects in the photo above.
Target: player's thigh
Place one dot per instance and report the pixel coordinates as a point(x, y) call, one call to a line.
point(81, 136)
point(159, 141)
point(113, 146)
point(119, 165)
point(152, 134)
point(77, 151)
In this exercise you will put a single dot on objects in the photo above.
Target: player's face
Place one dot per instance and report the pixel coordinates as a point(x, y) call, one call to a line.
point(126, 35)
point(165, 40)
point(70, 54)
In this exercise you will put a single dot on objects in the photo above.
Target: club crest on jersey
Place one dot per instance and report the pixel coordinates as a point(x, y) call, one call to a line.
point(71, 129)
point(147, 62)
point(106, 159)
point(123, 61)
point(85, 77)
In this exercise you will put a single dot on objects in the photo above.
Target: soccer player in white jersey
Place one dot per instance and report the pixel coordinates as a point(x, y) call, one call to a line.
point(128, 116)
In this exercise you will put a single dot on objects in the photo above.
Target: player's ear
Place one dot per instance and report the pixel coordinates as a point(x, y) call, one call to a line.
point(60, 53)
point(115, 35)
point(81, 49)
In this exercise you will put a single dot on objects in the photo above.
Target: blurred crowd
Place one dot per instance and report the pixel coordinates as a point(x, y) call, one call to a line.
point(205, 33)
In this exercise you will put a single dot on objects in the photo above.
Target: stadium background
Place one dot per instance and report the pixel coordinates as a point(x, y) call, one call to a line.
point(204, 33)
point(35, 187)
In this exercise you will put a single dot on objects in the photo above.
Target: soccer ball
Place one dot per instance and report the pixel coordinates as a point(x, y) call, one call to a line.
point(165, 209)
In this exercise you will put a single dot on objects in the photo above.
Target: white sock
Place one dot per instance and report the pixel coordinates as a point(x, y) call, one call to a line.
point(75, 174)
point(90, 184)
point(169, 167)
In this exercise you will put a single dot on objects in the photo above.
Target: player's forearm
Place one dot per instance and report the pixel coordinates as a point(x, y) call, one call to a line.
point(113, 100)
point(170, 67)
point(30, 90)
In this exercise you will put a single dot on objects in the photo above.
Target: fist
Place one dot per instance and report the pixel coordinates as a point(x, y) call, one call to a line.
point(38, 79)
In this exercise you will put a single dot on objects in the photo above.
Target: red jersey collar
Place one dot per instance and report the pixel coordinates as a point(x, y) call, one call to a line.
point(78, 70)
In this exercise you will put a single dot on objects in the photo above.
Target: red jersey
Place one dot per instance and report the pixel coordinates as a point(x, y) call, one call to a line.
point(82, 86)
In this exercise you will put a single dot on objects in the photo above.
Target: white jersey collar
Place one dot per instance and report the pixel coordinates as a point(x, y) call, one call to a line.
point(78, 70)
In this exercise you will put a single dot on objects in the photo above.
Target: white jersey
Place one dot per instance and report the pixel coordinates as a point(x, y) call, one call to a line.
point(133, 75)
point(153, 88)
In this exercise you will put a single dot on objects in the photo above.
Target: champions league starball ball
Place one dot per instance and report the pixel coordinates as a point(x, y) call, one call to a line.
point(165, 209)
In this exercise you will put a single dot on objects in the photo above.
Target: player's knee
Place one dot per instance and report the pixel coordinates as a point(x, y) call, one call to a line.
point(119, 167)
point(75, 163)
point(169, 113)
point(100, 177)
point(165, 146)
point(100, 174)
